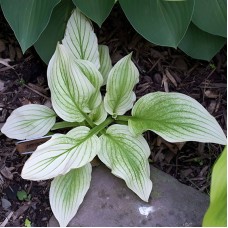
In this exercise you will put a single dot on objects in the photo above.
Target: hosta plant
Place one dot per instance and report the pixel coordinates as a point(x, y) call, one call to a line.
point(76, 72)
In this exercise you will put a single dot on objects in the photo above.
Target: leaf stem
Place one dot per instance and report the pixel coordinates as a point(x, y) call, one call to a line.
point(101, 126)
point(123, 118)
point(88, 120)
point(64, 124)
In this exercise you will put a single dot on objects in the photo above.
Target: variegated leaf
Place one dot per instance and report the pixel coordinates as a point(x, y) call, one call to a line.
point(127, 157)
point(71, 90)
point(122, 78)
point(105, 62)
point(175, 117)
point(96, 79)
point(67, 193)
point(99, 114)
point(80, 39)
point(61, 154)
point(29, 121)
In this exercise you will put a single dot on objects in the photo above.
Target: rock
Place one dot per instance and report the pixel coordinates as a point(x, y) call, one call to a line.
point(5, 203)
point(110, 203)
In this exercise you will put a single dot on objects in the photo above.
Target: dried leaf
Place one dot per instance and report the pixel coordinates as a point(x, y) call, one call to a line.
point(1, 85)
point(22, 209)
point(18, 53)
point(6, 172)
point(170, 77)
point(12, 52)
point(2, 46)
point(165, 83)
point(5, 62)
point(211, 94)
point(212, 106)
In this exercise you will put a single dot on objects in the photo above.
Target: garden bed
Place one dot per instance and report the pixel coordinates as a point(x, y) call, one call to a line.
point(160, 68)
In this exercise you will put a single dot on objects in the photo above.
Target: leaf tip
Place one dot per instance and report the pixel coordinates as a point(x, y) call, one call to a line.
point(130, 55)
point(224, 140)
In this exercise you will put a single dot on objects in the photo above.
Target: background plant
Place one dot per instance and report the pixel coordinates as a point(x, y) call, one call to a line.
point(76, 71)
point(197, 27)
point(216, 214)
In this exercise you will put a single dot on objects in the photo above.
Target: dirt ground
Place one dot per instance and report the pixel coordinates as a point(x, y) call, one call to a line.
point(161, 69)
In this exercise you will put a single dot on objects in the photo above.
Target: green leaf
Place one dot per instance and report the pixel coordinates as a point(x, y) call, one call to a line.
point(210, 16)
point(216, 215)
point(119, 97)
point(105, 62)
point(71, 91)
point(67, 193)
point(127, 157)
point(175, 117)
point(28, 19)
point(99, 114)
point(27, 223)
point(95, 78)
point(29, 121)
point(22, 195)
point(161, 22)
point(96, 10)
point(80, 39)
point(201, 45)
point(62, 153)
point(54, 32)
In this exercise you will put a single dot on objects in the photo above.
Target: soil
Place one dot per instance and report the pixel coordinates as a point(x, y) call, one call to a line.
point(23, 81)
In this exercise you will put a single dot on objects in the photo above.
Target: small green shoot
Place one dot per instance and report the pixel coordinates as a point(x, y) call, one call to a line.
point(22, 195)
point(212, 66)
point(27, 223)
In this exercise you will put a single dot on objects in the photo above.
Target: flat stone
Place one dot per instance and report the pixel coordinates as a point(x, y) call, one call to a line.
point(110, 203)
point(5, 203)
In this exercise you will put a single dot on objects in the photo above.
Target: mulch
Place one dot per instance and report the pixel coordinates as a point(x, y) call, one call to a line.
point(23, 81)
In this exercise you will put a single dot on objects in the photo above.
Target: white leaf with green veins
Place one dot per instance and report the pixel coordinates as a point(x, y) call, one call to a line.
point(95, 78)
point(71, 90)
point(80, 39)
point(99, 114)
point(176, 118)
point(67, 193)
point(61, 154)
point(122, 78)
point(29, 121)
point(105, 62)
point(127, 157)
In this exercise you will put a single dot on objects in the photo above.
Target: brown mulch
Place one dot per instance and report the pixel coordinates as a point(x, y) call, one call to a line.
point(161, 69)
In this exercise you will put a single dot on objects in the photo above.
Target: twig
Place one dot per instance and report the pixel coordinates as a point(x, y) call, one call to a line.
point(35, 91)
point(3, 224)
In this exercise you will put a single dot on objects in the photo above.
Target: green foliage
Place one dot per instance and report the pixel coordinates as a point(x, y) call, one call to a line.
point(28, 19)
point(22, 195)
point(75, 75)
point(199, 44)
point(27, 223)
point(163, 22)
point(54, 32)
point(216, 214)
point(210, 16)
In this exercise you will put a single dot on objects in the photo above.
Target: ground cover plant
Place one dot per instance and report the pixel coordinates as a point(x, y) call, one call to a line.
point(200, 35)
point(216, 214)
point(75, 86)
